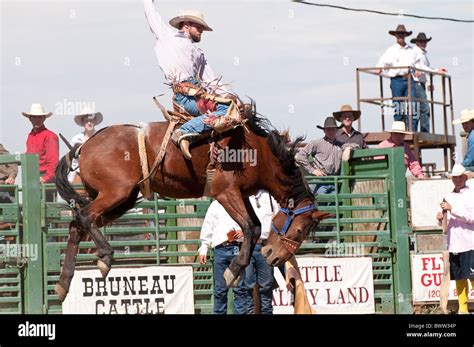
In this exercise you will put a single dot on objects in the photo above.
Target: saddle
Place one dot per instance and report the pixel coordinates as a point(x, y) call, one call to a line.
point(235, 116)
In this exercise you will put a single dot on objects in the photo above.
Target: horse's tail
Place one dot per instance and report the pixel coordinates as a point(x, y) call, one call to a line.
point(65, 189)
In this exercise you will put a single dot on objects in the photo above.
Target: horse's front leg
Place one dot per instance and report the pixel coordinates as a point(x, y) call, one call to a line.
point(241, 212)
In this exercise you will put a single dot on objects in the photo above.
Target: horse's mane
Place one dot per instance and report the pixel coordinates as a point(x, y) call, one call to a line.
point(285, 150)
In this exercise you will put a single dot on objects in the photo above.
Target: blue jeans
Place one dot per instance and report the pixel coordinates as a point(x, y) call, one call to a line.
point(324, 188)
point(399, 87)
point(222, 258)
point(420, 93)
point(197, 125)
point(258, 271)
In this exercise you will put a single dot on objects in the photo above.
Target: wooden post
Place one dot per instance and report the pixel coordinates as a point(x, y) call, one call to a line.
point(358, 98)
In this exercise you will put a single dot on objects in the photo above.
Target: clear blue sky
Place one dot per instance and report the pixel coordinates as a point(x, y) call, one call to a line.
point(298, 62)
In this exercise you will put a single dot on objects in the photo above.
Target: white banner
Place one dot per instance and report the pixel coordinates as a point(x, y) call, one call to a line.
point(144, 290)
point(333, 285)
point(426, 276)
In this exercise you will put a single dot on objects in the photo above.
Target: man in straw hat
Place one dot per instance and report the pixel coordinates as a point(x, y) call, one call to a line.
point(326, 154)
point(42, 142)
point(397, 136)
point(467, 121)
point(88, 119)
point(400, 55)
point(422, 62)
point(347, 134)
point(183, 63)
point(459, 205)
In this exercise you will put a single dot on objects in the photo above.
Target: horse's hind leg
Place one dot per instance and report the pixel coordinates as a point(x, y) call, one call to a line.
point(67, 272)
point(105, 208)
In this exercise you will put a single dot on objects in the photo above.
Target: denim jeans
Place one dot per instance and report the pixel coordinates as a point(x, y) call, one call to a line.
point(420, 93)
point(258, 271)
point(399, 87)
point(197, 125)
point(324, 188)
point(222, 258)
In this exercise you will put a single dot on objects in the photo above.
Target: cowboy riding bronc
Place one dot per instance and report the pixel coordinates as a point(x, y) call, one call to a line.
point(196, 88)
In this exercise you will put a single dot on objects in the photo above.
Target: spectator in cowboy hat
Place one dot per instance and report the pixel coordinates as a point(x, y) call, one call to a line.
point(88, 119)
point(422, 62)
point(42, 142)
point(347, 134)
point(467, 121)
point(326, 154)
point(397, 136)
point(400, 55)
point(459, 205)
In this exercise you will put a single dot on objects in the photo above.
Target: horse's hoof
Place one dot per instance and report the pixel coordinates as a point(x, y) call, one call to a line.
point(62, 293)
point(103, 267)
point(230, 280)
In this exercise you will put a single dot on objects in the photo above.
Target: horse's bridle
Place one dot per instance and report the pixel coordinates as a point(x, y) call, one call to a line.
point(291, 245)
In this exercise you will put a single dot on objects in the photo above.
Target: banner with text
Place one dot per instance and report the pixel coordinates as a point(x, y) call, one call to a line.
point(144, 290)
point(426, 276)
point(333, 285)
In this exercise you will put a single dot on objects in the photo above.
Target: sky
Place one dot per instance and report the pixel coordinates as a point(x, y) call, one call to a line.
point(296, 61)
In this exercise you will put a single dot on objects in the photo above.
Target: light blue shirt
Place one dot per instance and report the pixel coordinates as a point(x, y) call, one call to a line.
point(468, 161)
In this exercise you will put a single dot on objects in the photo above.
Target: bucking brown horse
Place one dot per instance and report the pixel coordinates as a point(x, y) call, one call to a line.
point(110, 171)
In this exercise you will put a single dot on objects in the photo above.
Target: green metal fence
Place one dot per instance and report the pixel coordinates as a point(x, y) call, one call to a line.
point(154, 233)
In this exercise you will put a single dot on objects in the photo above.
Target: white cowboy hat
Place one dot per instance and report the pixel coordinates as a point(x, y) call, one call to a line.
point(37, 110)
point(466, 116)
point(90, 114)
point(399, 127)
point(457, 170)
point(193, 16)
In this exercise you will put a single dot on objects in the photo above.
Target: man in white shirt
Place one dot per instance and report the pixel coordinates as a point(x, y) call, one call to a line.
point(88, 119)
point(459, 205)
point(422, 62)
point(400, 55)
point(221, 232)
point(183, 62)
point(258, 272)
point(214, 233)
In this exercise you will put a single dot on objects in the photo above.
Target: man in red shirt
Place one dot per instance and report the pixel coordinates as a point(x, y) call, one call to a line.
point(43, 142)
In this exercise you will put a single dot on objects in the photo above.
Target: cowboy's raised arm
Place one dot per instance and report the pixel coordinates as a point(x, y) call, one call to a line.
point(157, 26)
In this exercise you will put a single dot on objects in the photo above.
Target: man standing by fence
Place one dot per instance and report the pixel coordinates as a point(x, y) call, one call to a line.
point(460, 207)
point(43, 142)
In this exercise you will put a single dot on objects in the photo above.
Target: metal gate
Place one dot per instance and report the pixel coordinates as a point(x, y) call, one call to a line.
point(370, 202)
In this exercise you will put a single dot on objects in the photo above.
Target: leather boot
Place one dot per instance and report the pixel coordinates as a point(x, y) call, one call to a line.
point(184, 141)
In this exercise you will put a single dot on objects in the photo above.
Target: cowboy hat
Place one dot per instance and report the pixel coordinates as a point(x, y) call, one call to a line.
point(420, 37)
point(457, 170)
point(193, 16)
point(344, 109)
point(329, 122)
point(466, 116)
point(399, 127)
point(88, 112)
point(37, 110)
point(400, 29)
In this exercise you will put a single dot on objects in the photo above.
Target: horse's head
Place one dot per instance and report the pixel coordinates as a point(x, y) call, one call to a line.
point(289, 229)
